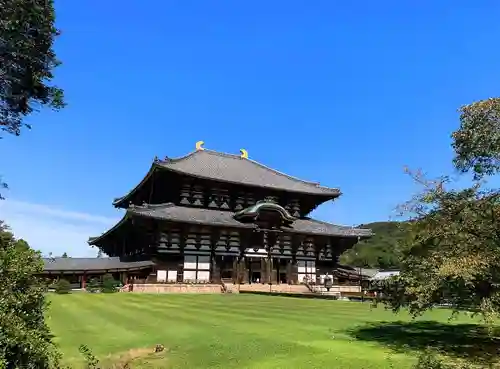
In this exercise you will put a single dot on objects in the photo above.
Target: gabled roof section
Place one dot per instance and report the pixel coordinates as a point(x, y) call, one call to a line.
point(232, 168)
point(93, 241)
point(252, 212)
point(117, 201)
point(236, 169)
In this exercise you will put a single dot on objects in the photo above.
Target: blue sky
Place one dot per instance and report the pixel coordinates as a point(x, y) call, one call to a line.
point(344, 93)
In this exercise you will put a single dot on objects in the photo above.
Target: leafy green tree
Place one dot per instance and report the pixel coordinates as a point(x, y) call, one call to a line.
point(62, 287)
point(64, 255)
point(109, 284)
point(25, 339)
point(452, 251)
point(27, 61)
point(477, 141)
point(93, 285)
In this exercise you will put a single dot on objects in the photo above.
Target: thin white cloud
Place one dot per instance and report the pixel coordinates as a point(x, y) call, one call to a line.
point(53, 230)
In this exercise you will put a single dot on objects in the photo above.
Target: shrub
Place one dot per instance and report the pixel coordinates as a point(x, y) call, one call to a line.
point(62, 286)
point(109, 284)
point(25, 339)
point(93, 285)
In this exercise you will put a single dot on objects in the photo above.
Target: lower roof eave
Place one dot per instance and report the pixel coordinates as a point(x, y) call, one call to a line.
point(87, 271)
point(224, 219)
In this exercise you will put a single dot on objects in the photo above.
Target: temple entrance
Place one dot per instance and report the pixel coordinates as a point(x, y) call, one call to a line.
point(226, 274)
point(255, 277)
point(254, 267)
point(283, 278)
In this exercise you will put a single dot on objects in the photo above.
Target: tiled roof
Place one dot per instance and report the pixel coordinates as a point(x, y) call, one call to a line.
point(234, 169)
point(81, 264)
point(225, 218)
point(383, 275)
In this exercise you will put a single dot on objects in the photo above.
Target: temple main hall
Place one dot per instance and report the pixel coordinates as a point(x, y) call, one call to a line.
point(209, 216)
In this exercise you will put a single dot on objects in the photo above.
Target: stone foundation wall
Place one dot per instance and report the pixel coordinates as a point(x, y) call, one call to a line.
point(177, 288)
point(279, 288)
point(345, 288)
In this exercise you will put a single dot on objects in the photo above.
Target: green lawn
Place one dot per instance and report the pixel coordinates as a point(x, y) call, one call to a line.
point(248, 331)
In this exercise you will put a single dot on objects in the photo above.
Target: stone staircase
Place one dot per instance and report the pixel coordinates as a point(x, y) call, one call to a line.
point(126, 288)
point(335, 290)
point(227, 286)
point(275, 288)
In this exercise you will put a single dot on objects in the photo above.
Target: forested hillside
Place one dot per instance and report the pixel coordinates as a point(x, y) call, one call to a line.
point(380, 251)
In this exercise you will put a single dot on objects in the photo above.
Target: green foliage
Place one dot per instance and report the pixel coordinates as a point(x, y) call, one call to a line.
point(25, 340)
point(62, 286)
point(429, 360)
point(380, 251)
point(93, 285)
point(90, 360)
point(452, 252)
point(109, 284)
point(477, 141)
point(3, 186)
point(27, 61)
point(64, 255)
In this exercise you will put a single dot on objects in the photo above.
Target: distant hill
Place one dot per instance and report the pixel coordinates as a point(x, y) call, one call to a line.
point(380, 251)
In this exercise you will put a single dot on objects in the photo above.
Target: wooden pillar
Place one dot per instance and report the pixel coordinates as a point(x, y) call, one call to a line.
point(263, 270)
point(84, 281)
point(182, 244)
point(273, 271)
point(289, 272)
point(294, 272)
point(215, 262)
point(215, 272)
point(234, 271)
point(244, 270)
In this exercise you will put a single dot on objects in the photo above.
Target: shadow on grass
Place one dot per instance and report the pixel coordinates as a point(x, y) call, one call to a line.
point(465, 341)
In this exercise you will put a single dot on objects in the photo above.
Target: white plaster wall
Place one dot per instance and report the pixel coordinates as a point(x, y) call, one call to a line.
point(172, 275)
point(161, 275)
point(203, 275)
point(189, 275)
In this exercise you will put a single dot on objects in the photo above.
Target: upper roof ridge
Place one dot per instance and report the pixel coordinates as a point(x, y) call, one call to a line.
point(238, 157)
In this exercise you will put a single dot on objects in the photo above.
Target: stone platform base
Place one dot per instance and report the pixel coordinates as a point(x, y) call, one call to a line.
point(177, 288)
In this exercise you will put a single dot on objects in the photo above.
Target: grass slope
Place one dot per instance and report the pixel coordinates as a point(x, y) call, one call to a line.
point(239, 331)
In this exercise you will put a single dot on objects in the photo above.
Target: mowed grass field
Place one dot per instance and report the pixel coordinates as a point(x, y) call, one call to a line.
point(244, 331)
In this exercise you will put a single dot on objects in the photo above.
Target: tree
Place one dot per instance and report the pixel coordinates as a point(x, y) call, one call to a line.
point(27, 61)
point(64, 255)
point(62, 287)
point(93, 285)
point(25, 339)
point(99, 254)
point(452, 250)
point(109, 284)
point(452, 253)
point(477, 141)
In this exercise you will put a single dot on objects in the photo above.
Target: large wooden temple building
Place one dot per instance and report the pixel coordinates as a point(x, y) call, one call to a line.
point(209, 216)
